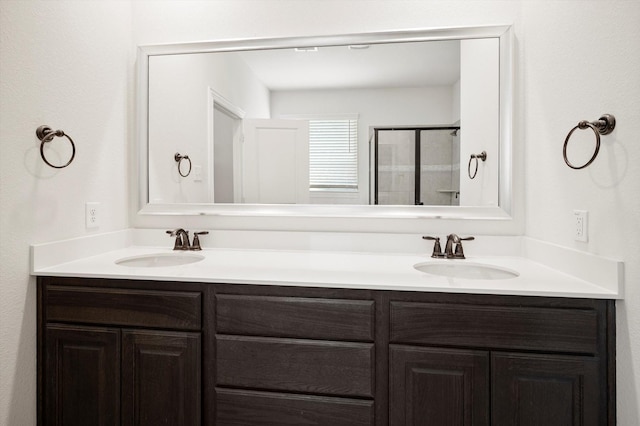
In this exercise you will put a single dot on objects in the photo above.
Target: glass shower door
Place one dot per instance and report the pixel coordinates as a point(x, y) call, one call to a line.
point(395, 177)
point(439, 167)
point(416, 166)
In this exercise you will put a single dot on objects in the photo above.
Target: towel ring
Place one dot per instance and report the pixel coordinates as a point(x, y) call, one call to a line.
point(603, 126)
point(179, 159)
point(45, 134)
point(482, 156)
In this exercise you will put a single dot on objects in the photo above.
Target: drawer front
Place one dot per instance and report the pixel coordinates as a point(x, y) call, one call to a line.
point(514, 327)
point(242, 407)
point(307, 318)
point(310, 366)
point(124, 307)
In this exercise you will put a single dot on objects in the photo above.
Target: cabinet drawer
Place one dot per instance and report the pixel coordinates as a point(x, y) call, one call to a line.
point(243, 407)
point(310, 366)
point(514, 327)
point(307, 318)
point(124, 307)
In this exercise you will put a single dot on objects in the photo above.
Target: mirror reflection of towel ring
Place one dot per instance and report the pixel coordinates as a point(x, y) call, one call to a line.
point(482, 156)
point(179, 159)
point(46, 135)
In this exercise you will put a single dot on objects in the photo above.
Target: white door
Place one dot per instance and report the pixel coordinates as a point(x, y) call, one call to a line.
point(276, 161)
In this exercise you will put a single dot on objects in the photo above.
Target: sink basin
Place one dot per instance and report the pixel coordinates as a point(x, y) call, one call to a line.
point(159, 259)
point(465, 270)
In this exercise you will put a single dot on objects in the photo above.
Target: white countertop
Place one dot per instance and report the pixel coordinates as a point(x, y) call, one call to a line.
point(325, 268)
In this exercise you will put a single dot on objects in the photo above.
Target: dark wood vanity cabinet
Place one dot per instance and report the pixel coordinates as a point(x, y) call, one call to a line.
point(153, 353)
point(117, 355)
point(501, 361)
point(294, 356)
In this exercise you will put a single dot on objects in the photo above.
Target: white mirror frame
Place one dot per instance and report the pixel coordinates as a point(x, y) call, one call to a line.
point(505, 195)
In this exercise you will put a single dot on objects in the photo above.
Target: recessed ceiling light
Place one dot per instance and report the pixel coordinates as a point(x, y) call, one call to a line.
point(359, 46)
point(306, 49)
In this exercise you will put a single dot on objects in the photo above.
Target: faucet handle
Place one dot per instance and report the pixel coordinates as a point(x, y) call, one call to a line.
point(196, 240)
point(459, 253)
point(437, 250)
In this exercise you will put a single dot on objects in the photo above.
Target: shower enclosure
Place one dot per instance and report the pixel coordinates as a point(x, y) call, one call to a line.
point(416, 166)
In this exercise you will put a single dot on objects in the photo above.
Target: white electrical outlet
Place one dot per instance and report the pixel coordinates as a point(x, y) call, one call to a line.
point(580, 218)
point(92, 215)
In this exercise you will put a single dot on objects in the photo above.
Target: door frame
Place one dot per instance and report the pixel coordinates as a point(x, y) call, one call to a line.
point(216, 101)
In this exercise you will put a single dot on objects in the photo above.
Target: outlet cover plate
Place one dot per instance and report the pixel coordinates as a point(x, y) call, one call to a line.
point(92, 214)
point(581, 223)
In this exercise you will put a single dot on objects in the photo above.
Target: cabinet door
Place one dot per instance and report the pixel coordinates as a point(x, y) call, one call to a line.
point(550, 390)
point(438, 387)
point(160, 378)
point(82, 370)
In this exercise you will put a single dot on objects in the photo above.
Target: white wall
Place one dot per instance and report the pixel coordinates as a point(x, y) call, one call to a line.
point(479, 121)
point(68, 65)
point(575, 60)
point(401, 106)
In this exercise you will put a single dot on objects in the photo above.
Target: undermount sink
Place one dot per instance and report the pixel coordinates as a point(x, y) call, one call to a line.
point(465, 270)
point(159, 259)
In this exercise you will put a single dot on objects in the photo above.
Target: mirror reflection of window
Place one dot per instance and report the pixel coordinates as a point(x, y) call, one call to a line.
point(333, 155)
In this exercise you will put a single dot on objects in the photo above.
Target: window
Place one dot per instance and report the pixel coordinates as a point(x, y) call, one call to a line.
point(333, 154)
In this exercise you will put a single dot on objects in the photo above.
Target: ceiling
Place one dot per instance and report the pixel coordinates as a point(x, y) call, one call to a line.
point(432, 63)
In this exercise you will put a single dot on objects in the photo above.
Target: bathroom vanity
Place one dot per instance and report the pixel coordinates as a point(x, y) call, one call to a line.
point(134, 333)
point(138, 351)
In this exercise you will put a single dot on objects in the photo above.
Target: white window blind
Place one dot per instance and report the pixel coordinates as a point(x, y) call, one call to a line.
point(333, 154)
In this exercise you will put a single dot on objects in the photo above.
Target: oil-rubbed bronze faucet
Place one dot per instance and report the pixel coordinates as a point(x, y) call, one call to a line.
point(457, 253)
point(182, 239)
point(449, 251)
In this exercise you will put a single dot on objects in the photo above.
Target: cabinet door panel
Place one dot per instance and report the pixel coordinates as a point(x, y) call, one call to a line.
point(160, 378)
point(438, 387)
point(310, 366)
point(243, 407)
point(550, 390)
point(82, 370)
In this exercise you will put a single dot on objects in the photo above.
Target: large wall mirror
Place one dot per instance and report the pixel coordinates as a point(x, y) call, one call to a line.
point(395, 123)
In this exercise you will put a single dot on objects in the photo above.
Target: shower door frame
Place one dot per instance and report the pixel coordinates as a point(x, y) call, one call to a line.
point(417, 165)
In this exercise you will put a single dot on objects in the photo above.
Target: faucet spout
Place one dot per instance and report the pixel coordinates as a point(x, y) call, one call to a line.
point(457, 253)
point(182, 239)
point(448, 249)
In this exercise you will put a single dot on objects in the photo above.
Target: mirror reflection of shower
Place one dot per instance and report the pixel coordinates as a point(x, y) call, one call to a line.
point(416, 166)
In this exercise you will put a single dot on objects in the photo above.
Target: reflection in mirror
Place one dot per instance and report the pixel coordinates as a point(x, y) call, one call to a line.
point(416, 166)
point(387, 119)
